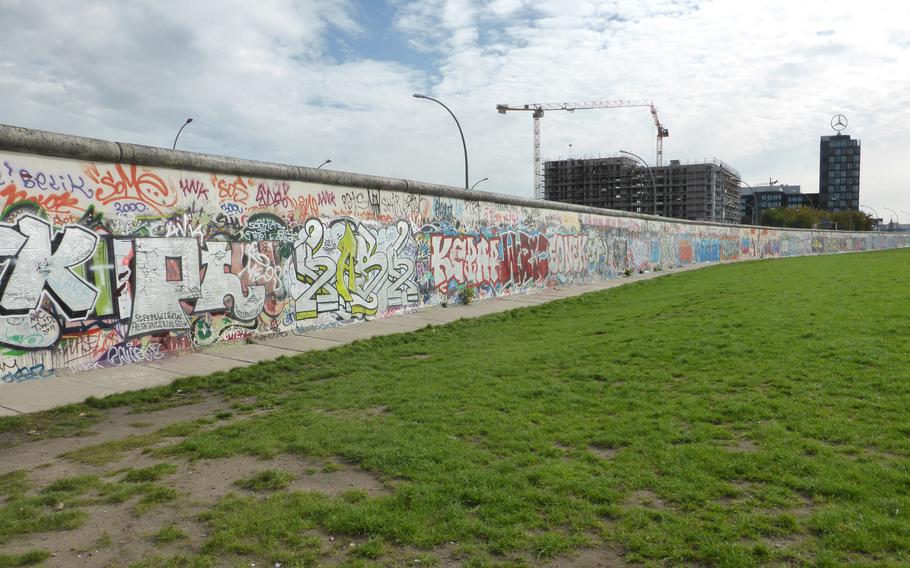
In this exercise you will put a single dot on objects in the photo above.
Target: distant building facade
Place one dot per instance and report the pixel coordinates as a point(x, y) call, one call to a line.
point(838, 176)
point(700, 191)
point(758, 198)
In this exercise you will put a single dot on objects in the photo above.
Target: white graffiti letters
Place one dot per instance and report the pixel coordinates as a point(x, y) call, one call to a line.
point(44, 265)
point(219, 283)
point(167, 271)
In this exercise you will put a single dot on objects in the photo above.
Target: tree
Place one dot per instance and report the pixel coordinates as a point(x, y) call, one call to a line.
point(807, 218)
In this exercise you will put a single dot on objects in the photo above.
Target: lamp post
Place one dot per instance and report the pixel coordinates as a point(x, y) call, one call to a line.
point(465, 146)
point(874, 214)
point(478, 182)
point(896, 216)
point(329, 161)
point(653, 183)
point(189, 120)
point(751, 207)
point(754, 200)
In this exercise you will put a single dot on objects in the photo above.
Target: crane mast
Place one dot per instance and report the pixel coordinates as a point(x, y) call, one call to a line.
point(537, 110)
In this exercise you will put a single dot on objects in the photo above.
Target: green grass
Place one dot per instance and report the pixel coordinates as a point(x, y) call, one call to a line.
point(107, 452)
point(151, 473)
point(28, 559)
point(268, 480)
point(738, 415)
point(169, 533)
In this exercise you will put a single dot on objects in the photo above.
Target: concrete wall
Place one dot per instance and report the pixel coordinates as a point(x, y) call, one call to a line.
point(115, 254)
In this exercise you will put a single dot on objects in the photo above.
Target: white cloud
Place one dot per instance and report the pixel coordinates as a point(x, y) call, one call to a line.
point(753, 83)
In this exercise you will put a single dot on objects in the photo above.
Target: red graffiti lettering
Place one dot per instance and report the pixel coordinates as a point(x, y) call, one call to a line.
point(54, 202)
point(524, 258)
point(276, 196)
point(464, 260)
point(237, 190)
point(133, 184)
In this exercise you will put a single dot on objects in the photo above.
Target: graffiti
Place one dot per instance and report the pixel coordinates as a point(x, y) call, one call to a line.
point(35, 330)
point(273, 196)
point(525, 258)
point(267, 227)
point(121, 355)
point(33, 268)
point(124, 208)
point(460, 260)
point(326, 198)
point(54, 202)
point(566, 254)
point(45, 181)
point(183, 225)
point(128, 183)
point(107, 265)
point(343, 269)
point(194, 188)
point(32, 373)
point(237, 190)
point(305, 206)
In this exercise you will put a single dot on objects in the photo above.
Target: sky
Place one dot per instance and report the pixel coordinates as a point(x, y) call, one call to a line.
point(753, 84)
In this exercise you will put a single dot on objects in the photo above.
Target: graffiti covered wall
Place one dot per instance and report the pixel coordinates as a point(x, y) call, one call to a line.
point(109, 264)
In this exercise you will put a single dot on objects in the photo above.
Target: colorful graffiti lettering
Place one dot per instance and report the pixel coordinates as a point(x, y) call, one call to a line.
point(106, 265)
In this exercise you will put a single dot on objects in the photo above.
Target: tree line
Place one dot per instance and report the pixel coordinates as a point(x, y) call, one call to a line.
point(809, 218)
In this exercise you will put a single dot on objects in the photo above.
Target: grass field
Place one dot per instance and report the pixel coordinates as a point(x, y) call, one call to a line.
point(738, 415)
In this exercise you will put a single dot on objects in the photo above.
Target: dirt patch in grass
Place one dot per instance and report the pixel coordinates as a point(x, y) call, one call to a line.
point(418, 356)
point(369, 412)
point(743, 445)
point(878, 453)
point(603, 556)
point(119, 533)
point(603, 453)
point(206, 481)
point(113, 535)
point(646, 498)
point(118, 423)
point(742, 491)
point(805, 507)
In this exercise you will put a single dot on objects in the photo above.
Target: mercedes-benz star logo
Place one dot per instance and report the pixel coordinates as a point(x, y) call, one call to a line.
point(838, 122)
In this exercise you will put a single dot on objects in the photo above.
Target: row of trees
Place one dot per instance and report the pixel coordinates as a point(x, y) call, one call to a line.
point(808, 218)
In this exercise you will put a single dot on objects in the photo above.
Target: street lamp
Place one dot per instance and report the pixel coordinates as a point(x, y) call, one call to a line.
point(324, 163)
point(896, 216)
point(874, 214)
point(478, 182)
point(870, 209)
point(653, 183)
point(189, 120)
point(754, 200)
point(465, 146)
point(751, 207)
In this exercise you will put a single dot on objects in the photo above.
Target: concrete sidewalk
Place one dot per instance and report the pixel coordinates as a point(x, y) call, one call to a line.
point(33, 396)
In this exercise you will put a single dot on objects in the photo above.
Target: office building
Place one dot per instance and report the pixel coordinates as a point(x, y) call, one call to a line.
point(838, 177)
point(759, 198)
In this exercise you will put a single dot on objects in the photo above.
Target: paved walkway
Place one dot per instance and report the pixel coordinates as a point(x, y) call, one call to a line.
point(32, 396)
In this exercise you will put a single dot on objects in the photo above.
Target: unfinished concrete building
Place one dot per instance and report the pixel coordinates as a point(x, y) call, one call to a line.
point(699, 191)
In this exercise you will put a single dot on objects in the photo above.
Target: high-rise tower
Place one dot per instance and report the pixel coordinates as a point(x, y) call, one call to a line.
point(838, 172)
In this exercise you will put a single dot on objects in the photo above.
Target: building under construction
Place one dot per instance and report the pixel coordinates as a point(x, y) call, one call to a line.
point(698, 191)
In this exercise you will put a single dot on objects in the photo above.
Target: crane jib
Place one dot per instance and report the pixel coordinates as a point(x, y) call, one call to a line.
point(539, 108)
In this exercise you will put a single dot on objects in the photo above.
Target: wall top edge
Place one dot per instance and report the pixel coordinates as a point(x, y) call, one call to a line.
point(53, 144)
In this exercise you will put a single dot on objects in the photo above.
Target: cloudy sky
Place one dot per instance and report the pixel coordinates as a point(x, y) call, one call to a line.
point(751, 83)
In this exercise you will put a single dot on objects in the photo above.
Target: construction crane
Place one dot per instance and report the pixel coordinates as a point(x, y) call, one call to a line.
point(538, 109)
